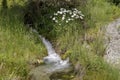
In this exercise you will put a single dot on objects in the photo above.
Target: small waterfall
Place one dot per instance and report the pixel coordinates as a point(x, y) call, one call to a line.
point(53, 58)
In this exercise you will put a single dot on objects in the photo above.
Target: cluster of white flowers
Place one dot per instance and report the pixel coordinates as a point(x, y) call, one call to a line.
point(67, 15)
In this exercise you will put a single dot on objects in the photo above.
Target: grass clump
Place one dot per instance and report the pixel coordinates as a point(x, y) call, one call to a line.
point(18, 47)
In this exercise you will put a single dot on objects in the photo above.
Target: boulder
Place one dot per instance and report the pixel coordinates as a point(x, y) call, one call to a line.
point(43, 73)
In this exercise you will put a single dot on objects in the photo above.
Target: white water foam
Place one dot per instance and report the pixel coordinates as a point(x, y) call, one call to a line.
point(53, 58)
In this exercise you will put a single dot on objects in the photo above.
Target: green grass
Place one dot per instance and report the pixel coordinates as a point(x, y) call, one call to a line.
point(87, 46)
point(19, 45)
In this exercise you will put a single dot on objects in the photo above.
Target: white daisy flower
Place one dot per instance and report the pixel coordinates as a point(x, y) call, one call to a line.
point(60, 24)
point(54, 18)
point(76, 16)
point(56, 21)
point(55, 14)
point(67, 21)
point(70, 19)
point(63, 17)
point(81, 17)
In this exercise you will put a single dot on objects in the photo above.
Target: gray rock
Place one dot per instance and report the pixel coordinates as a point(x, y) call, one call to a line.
point(39, 73)
point(113, 43)
point(43, 73)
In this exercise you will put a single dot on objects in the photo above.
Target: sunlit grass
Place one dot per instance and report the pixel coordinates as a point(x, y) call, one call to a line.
point(18, 46)
point(87, 46)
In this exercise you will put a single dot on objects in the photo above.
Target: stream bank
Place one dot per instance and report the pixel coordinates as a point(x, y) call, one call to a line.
point(53, 65)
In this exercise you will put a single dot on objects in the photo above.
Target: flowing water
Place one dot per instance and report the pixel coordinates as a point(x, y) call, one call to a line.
point(53, 59)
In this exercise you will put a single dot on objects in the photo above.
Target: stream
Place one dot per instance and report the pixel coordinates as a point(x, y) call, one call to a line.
point(53, 58)
point(53, 64)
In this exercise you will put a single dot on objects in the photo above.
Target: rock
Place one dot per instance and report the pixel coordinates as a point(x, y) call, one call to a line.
point(77, 67)
point(113, 43)
point(39, 73)
point(79, 71)
point(66, 74)
point(42, 72)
